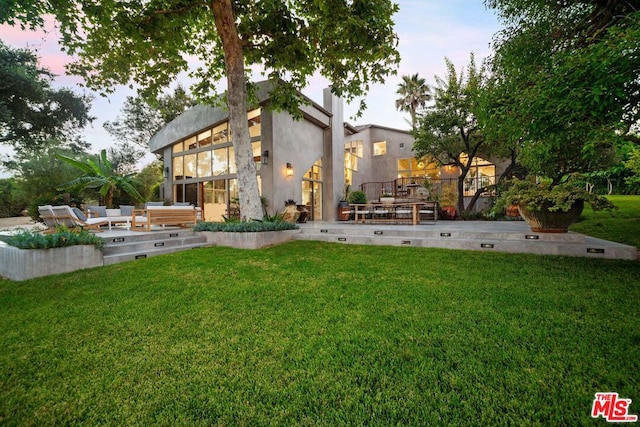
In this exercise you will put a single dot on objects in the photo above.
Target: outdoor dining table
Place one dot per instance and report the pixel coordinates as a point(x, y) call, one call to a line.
point(361, 210)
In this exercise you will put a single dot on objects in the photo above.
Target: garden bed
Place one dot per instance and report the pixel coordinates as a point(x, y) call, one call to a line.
point(249, 240)
point(24, 264)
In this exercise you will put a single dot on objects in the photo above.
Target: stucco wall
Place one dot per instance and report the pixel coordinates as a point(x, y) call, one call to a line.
point(380, 168)
point(299, 143)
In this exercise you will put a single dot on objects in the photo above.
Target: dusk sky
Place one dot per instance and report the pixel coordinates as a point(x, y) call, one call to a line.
point(428, 30)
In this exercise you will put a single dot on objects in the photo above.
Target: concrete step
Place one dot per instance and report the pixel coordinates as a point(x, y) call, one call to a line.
point(572, 244)
point(443, 232)
point(131, 246)
point(131, 256)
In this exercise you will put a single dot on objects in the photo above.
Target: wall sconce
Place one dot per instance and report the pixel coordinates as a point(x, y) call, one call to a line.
point(289, 172)
point(166, 172)
point(265, 157)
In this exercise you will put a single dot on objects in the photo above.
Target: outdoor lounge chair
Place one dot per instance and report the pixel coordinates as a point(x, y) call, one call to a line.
point(48, 218)
point(64, 215)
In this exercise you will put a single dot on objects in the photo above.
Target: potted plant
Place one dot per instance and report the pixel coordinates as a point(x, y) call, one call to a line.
point(448, 199)
point(387, 197)
point(343, 205)
point(549, 208)
point(357, 198)
point(290, 213)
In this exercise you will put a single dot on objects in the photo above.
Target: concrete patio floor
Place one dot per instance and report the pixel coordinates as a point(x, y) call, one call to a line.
point(502, 236)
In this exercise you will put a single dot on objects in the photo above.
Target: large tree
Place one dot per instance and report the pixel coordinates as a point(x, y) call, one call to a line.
point(34, 115)
point(449, 128)
point(414, 93)
point(568, 72)
point(150, 42)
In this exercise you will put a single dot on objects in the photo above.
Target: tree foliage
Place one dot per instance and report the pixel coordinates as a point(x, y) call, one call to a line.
point(149, 43)
point(568, 77)
point(32, 113)
point(141, 118)
point(414, 93)
point(11, 200)
point(449, 128)
point(99, 174)
point(39, 176)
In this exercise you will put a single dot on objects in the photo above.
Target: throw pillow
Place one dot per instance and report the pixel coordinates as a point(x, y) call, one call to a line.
point(79, 214)
point(101, 211)
point(126, 210)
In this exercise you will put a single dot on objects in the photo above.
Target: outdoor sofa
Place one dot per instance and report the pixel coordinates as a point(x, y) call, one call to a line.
point(122, 215)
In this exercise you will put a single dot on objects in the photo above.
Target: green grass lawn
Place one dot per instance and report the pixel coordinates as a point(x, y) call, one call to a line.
point(622, 226)
point(322, 334)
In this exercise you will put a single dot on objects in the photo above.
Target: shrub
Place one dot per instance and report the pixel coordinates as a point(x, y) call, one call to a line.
point(357, 197)
point(245, 226)
point(559, 197)
point(63, 237)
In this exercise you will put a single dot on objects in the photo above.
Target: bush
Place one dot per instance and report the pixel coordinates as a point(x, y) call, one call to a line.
point(11, 202)
point(560, 197)
point(64, 237)
point(245, 226)
point(357, 197)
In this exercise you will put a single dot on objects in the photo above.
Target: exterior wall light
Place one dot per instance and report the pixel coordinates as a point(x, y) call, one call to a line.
point(265, 157)
point(166, 172)
point(289, 172)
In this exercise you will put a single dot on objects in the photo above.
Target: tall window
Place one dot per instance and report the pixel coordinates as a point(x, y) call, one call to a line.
point(352, 152)
point(206, 160)
point(481, 174)
point(412, 167)
point(210, 153)
point(312, 190)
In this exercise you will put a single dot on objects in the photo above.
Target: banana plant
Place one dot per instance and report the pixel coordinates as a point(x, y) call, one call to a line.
point(99, 174)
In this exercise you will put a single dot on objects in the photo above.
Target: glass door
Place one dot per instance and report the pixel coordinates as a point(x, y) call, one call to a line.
point(214, 196)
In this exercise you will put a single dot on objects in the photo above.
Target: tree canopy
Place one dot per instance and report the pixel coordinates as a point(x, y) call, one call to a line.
point(414, 93)
point(140, 118)
point(568, 77)
point(449, 128)
point(149, 43)
point(32, 113)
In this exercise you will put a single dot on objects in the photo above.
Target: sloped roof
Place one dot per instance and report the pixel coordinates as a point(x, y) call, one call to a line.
point(203, 116)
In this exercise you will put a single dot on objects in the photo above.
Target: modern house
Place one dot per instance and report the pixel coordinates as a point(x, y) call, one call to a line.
point(308, 160)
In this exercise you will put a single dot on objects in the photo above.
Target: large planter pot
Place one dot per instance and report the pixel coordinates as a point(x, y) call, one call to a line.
point(291, 213)
point(344, 210)
point(546, 221)
point(448, 212)
point(387, 199)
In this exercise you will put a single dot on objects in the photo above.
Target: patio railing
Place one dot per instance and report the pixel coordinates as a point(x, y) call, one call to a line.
point(406, 187)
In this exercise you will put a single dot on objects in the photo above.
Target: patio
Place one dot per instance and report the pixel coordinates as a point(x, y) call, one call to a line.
point(498, 236)
point(493, 236)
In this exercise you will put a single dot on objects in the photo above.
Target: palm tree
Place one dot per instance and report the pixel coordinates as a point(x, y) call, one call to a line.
point(414, 94)
point(99, 173)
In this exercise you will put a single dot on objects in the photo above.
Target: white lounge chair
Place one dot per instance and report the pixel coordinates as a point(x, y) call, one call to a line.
point(48, 218)
point(64, 215)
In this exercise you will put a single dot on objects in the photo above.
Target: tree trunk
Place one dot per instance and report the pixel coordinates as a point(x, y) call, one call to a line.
point(461, 193)
point(250, 206)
